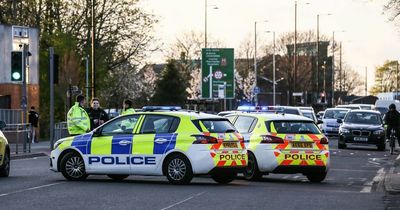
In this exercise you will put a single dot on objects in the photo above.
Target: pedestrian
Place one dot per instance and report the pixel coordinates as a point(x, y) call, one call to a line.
point(78, 120)
point(96, 114)
point(127, 107)
point(34, 121)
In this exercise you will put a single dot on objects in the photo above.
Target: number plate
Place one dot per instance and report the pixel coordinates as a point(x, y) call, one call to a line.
point(360, 139)
point(230, 145)
point(302, 144)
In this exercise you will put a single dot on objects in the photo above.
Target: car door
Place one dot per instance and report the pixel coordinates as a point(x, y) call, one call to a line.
point(111, 145)
point(155, 137)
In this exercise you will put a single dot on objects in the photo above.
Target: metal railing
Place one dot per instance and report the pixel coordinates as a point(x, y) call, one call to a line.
point(11, 116)
point(60, 130)
point(18, 136)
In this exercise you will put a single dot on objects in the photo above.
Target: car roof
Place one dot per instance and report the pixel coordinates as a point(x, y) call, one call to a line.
point(340, 109)
point(182, 113)
point(307, 111)
point(273, 116)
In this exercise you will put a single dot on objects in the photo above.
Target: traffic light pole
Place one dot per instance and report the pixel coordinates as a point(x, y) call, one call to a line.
point(51, 55)
point(24, 98)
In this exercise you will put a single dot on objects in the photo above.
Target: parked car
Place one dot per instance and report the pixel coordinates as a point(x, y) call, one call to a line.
point(320, 114)
point(330, 126)
point(310, 114)
point(362, 127)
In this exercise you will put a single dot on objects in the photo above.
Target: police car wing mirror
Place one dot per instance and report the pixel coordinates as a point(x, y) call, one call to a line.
point(97, 132)
point(2, 125)
point(339, 121)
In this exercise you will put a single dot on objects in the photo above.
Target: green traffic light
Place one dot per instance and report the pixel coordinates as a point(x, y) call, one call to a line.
point(16, 76)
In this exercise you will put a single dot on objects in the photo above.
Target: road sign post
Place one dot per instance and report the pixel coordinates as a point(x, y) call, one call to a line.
point(218, 66)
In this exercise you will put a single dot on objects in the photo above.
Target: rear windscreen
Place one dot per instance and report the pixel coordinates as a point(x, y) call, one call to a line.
point(215, 125)
point(292, 127)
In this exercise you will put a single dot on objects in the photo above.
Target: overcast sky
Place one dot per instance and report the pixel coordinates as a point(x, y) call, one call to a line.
point(369, 38)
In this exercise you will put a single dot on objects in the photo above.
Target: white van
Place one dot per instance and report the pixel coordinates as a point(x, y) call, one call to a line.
point(383, 105)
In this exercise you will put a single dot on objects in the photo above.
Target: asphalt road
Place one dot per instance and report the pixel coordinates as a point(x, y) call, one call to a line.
point(353, 182)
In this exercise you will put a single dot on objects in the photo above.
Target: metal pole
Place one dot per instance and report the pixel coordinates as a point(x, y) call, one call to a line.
point(24, 94)
point(295, 47)
point(366, 82)
point(273, 70)
point(255, 63)
point(317, 60)
point(87, 77)
point(224, 96)
point(340, 66)
point(205, 24)
point(211, 85)
point(51, 53)
point(333, 68)
point(93, 51)
point(397, 79)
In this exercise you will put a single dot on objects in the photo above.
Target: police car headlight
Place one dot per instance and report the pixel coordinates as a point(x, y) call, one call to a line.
point(344, 130)
point(378, 132)
point(57, 144)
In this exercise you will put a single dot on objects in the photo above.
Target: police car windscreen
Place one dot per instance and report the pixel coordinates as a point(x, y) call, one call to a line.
point(292, 127)
point(215, 125)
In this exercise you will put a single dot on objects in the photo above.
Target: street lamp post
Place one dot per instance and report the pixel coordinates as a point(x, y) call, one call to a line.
point(255, 61)
point(205, 21)
point(317, 60)
point(273, 68)
point(333, 66)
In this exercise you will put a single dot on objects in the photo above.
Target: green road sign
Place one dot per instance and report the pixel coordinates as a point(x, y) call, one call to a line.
point(217, 68)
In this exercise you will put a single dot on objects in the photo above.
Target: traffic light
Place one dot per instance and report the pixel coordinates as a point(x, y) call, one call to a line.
point(323, 98)
point(16, 66)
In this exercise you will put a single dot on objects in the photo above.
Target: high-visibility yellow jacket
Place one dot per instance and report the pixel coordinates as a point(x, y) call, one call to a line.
point(78, 120)
point(128, 111)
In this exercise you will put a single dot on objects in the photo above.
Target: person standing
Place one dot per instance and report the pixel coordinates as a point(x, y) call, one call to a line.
point(127, 107)
point(96, 114)
point(34, 121)
point(78, 121)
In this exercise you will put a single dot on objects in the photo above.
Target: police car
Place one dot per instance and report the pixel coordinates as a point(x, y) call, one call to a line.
point(282, 143)
point(4, 153)
point(177, 144)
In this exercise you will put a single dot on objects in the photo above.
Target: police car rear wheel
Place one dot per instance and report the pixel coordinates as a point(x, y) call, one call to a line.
point(118, 177)
point(73, 167)
point(178, 170)
point(223, 178)
point(5, 169)
point(252, 172)
point(317, 177)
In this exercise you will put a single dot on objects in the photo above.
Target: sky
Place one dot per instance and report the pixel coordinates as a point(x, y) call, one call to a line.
point(368, 40)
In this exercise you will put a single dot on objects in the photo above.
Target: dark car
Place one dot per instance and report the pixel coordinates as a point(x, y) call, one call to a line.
point(362, 127)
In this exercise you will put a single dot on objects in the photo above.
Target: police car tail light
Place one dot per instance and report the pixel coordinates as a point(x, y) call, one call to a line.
point(202, 139)
point(324, 140)
point(268, 139)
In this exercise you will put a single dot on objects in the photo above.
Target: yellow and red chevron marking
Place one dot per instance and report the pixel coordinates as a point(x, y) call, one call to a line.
point(287, 138)
point(229, 158)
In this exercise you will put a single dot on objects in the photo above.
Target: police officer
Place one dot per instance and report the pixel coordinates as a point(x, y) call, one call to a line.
point(96, 114)
point(392, 120)
point(78, 120)
point(127, 107)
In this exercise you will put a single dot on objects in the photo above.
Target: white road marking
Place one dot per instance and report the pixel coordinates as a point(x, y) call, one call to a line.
point(350, 170)
point(180, 202)
point(366, 189)
point(351, 153)
point(380, 175)
point(32, 188)
point(33, 158)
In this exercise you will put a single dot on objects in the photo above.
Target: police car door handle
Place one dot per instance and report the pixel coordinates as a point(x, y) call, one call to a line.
point(124, 142)
point(160, 140)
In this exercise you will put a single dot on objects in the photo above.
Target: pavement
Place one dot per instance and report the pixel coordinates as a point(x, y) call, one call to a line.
point(392, 178)
point(36, 150)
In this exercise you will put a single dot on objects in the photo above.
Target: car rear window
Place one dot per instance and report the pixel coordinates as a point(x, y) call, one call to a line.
point(215, 125)
point(292, 127)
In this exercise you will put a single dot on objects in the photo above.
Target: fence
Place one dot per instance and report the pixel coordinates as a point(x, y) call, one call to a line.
point(60, 130)
point(18, 136)
point(11, 116)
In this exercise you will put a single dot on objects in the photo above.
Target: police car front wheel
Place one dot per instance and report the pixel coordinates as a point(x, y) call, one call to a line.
point(5, 169)
point(252, 172)
point(73, 167)
point(178, 169)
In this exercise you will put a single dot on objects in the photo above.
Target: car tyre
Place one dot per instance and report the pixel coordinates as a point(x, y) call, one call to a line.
point(118, 177)
point(73, 167)
point(381, 147)
point(252, 172)
point(178, 169)
point(316, 177)
point(223, 178)
point(342, 146)
point(5, 169)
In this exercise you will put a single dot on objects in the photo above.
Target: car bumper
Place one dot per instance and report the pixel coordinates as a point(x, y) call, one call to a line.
point(362, 140)
point(331, 131)
point(54, 160)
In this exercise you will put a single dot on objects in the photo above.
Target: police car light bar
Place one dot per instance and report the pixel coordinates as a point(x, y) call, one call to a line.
point(161, 108)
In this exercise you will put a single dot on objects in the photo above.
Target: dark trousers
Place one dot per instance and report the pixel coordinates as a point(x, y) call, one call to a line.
point(389, 131)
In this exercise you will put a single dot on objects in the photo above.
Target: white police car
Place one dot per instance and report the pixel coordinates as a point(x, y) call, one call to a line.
point(177, 144)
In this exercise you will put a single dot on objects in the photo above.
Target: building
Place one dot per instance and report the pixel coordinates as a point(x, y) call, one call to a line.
point(12, 40)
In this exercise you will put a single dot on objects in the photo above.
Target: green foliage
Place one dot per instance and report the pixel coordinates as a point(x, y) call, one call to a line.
point(171, 87)
point(385, 78)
